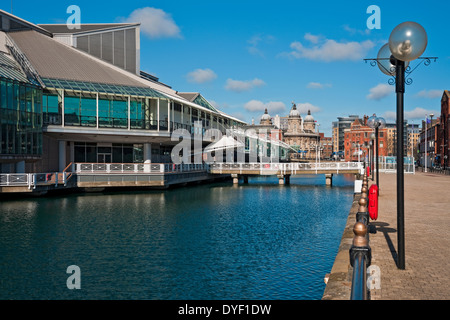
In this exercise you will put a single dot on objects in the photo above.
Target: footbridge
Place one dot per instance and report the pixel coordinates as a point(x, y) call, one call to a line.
point(284, 170)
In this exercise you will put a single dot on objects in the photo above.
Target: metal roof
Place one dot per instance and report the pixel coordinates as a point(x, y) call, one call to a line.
point(55, 60)
point(89, 27)
point(101, 88)
point(9, 69)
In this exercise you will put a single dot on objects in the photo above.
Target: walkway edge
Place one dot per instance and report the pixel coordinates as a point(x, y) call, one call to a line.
point(339, 279)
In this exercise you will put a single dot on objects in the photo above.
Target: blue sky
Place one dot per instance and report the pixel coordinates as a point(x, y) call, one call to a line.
point(247, 55)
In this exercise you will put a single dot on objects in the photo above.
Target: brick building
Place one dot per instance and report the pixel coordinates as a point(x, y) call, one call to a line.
point(357, 139)
point(444, 131)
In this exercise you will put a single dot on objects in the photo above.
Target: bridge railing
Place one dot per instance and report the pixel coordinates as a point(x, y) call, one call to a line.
point(291, 167)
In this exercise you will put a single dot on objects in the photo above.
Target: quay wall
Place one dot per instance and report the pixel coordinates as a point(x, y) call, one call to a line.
point(339, 280)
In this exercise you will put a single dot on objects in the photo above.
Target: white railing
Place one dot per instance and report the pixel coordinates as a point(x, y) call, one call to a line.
point(131, 168)
point(389, 165)
point(291, 168)
point(31, 180)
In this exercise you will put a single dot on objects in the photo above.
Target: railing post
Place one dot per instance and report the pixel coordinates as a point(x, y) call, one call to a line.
point(360, 259)
point(363, 215)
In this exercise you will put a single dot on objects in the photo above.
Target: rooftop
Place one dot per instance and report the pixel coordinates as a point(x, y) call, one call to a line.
point(90, 27)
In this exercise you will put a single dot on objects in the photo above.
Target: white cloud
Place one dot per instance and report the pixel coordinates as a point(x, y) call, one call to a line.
point(312, 38)
point(330, 50)
point(201, 75)
point(259, 106)
point(303, 108)
point(255, 44)
point(416, 114)
point(380, 91)
point(317, 85)
point(240, 86)
point(431, 94)
point(352, 31)
point(155, 23)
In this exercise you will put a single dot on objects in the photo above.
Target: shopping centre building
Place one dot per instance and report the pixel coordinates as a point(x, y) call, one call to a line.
point(78, 95)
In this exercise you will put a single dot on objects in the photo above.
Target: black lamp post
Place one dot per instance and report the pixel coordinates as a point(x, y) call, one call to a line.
point(406, 43)
point(372, 144)
point(377, 123)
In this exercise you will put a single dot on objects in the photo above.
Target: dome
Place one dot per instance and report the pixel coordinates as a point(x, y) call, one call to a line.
point(294, 112)
point(265, 116)
point(309, 117)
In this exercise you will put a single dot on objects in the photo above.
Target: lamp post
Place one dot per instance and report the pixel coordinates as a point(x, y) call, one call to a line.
point(372, 141)
point(376, 123)
point(426, 145)
point(406, 43)
point(431, 140)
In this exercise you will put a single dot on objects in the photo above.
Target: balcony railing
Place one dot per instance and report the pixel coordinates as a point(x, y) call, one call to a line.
point(141, 168)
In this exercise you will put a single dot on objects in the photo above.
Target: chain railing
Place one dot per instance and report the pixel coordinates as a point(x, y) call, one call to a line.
point(360, 252)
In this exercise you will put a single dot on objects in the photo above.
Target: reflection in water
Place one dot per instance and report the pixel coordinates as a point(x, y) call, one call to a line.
point(216, 241)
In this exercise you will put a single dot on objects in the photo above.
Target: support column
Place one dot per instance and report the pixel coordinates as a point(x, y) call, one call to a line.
point(147, 153)
point(72, 151)
point(147, 157)
point(280, 179)
point(235, 178)
point(245, 178)
point(287, 179)
point(61, 155)
point(329, 179)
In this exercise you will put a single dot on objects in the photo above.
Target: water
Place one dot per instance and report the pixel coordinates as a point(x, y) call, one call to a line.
point(216, 241)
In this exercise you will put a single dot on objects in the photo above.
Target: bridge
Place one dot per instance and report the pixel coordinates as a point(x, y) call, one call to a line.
point(284, 170)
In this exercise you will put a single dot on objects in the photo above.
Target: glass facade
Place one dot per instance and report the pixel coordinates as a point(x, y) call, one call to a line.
point(79, 108)
point(20, 118)
point(108, 153)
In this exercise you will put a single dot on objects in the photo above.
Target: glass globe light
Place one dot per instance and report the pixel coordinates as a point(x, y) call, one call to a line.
point(384, 61)
point(381, 123)
point(408, 41)
point(371, 121)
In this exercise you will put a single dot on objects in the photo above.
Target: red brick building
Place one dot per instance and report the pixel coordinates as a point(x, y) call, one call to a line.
point(357, 139)
point(443, 135)
point(327, 145)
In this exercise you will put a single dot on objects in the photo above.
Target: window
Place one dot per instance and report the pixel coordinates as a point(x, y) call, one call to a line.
point(113, 112)
point(137, 109)
point(20, 118)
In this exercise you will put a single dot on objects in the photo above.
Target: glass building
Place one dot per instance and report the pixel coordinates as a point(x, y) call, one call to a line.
point(20, 118)
point(76, 106)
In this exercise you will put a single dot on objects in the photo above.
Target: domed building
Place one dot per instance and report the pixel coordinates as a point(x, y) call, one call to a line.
point(266, 119)
point(301, 134)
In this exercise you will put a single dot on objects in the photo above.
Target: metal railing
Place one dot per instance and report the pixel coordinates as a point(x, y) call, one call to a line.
point(31, 180)
point(131, 168)
point(389, 165)
point(360, 252)
point(291, 168)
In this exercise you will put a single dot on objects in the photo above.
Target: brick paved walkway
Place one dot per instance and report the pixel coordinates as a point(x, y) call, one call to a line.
point(427, 238)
